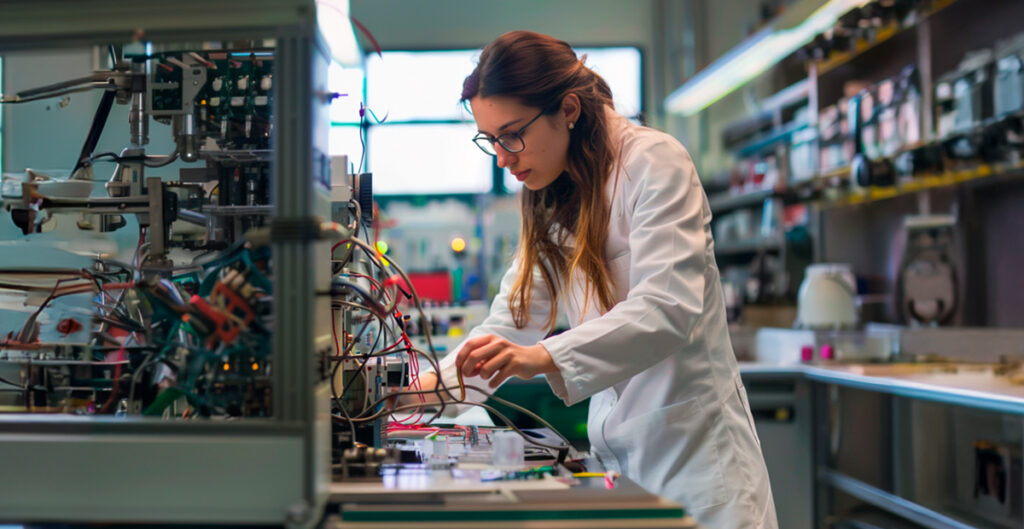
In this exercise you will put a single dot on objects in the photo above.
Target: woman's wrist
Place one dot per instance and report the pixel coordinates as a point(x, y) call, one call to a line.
point(549, 365)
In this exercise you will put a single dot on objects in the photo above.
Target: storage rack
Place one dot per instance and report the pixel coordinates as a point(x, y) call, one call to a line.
point(935, 41)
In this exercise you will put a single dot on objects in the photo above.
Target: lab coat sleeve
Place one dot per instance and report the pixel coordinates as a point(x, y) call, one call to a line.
point(499, 322)
point(667, 266)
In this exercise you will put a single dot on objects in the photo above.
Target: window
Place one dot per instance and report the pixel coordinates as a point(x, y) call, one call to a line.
point(427, 158)
point(418, 135)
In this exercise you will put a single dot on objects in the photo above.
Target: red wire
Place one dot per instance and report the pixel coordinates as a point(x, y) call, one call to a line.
point(119, 286)
point(334, 332)
point(414, 381)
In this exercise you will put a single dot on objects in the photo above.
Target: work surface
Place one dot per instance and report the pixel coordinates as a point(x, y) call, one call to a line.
point(461, 488)
point(983, 386)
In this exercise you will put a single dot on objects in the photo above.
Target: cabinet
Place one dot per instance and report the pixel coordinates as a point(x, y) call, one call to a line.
point(781, 406)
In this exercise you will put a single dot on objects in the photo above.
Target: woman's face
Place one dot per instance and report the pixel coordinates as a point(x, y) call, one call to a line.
point(547, 139)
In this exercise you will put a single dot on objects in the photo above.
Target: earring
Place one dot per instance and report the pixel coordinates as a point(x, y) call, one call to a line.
point(571, 125)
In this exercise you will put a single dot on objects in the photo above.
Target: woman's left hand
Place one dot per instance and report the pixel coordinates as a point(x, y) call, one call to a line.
point(492, 356)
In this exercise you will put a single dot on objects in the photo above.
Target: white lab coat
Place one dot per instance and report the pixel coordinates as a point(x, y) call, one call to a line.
point(667, 406)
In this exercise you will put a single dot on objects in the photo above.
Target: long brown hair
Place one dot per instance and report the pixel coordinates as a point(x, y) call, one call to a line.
point(540, 71)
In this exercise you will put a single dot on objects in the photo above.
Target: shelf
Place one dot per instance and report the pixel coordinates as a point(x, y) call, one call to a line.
point(736, 132)
point(918, 183)
point(762, 244)
point(725, 202)
point(839, 59)
point(797, 25)
point(770, 139)
point(884, 34)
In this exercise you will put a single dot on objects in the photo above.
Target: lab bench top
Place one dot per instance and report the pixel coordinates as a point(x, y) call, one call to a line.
point(981, 386)
point(471, 493)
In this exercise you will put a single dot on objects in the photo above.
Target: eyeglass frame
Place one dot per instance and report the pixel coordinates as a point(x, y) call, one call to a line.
point(497, 139)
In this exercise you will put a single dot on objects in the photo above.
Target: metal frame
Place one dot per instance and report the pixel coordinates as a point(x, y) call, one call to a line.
point(266, 471)
point(889, 502)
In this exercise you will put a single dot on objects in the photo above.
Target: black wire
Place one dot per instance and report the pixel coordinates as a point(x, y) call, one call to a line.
point(113, 156)
point(119, 159)
point(366, 359)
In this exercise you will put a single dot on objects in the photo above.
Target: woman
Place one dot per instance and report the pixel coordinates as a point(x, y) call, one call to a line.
point(615, 230)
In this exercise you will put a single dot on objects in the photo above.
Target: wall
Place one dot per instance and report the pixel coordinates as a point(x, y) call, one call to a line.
point(468, 24)
point(1000, 280)
point(695, 33)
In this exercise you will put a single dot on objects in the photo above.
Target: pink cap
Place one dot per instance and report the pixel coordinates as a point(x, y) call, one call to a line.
point(806, 353)
point(827, 352)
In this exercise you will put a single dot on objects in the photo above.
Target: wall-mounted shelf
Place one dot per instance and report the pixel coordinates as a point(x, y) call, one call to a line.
point(918, 183)
point(798, 25)
point(862, 46)
point(839, 59)
point(761, 244)
point(771, 139)
point(725, 202)
point(832, 189)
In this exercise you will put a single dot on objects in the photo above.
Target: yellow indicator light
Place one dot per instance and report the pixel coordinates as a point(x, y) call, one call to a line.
point(255, 366)
point(203, 102)
point(458, 244)
point(226, 366)
point(382, 247)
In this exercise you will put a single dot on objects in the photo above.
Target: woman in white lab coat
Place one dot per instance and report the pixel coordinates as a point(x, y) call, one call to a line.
point(616, 233)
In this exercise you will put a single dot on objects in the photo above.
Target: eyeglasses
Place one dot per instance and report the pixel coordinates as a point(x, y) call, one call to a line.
point(510, 141)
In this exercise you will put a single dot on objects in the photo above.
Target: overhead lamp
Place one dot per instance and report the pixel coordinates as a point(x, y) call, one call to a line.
point(332, 16)
point(797, 26)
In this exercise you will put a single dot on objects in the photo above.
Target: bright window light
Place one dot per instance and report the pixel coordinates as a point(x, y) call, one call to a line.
point(427, 159)
point(348, 81)
point(423, 145)
point(332, 16)
point(411, 85)
point(620, 68)
point(345, 140)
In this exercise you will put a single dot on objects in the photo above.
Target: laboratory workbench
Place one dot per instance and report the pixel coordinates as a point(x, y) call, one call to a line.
point(980, 386)
point(835, 433)
point(465, 490)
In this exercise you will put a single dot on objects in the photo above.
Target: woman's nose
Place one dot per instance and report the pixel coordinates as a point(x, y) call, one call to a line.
point(504, 157)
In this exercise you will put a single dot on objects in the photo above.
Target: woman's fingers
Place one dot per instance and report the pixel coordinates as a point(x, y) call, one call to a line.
point(481, 354)
point(494, 364)
point(500, 377)
point(471, 345)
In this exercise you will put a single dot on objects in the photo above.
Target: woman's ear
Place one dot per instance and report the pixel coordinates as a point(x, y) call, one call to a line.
point(571, 108)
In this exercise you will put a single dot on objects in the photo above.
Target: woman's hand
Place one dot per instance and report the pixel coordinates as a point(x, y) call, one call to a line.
point(495, 358)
